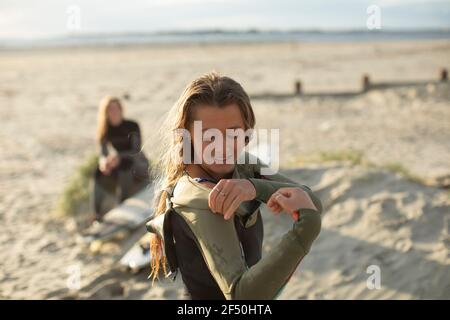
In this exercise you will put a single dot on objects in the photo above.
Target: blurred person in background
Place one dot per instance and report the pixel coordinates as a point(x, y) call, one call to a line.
point(122, 168)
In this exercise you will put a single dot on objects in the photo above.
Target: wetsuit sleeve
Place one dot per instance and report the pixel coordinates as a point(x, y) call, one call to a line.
point(219, 244)
point(103, 149)
point(135, 143)
point(267, 185)
point(267, 278)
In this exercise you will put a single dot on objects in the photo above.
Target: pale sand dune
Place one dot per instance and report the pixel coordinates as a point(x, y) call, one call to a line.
point(374, 218)
point(49, 101)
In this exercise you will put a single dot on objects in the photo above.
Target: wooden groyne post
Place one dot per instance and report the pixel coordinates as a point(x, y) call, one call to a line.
point(298, 87)
point(365, 83)
point(444, 75)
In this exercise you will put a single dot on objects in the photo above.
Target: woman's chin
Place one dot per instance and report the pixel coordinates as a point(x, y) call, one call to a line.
point(222, 169)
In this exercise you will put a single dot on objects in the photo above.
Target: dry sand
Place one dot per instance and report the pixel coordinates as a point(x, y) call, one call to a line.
point(373, 216)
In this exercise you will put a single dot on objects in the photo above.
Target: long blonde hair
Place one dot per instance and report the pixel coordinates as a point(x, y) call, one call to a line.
point(102, 120)
point(209, 89)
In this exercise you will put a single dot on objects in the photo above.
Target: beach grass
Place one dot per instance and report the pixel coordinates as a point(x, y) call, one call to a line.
point(400, 169)
point(354, 158)
point(351, 156)
point(75, 196)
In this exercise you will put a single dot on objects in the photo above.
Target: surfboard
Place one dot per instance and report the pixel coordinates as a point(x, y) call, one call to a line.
point(131, 214)
point(138, 257)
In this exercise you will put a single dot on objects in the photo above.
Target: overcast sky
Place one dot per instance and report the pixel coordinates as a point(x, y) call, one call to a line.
point(42, 18)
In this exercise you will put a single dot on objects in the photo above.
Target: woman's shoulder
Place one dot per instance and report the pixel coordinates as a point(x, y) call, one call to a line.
point(188, 193)
point(190, 201)
point(130, 123)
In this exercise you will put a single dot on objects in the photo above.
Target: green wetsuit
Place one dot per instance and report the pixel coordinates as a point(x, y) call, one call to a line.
point(218, 241)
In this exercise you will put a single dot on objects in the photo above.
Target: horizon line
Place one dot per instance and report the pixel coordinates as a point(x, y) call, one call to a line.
point(211, 31)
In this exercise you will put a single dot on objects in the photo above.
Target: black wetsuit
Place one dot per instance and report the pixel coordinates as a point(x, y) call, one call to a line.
point(221, 259)
point(199, 282)
point(132, 172)
point(126, 139)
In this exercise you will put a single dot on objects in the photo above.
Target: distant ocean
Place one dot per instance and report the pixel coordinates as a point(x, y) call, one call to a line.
point(218, 36)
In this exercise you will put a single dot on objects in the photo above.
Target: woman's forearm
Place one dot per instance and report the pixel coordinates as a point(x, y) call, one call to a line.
point(219, 245)
point(266, 185)
point(268, 277)
point(265, 188)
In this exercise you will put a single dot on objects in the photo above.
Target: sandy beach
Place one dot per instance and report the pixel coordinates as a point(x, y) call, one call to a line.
point(380, 161)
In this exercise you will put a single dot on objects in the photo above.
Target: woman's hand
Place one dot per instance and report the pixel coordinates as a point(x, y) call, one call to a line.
point(103, 166)
point(108, 164)
point(228, 194)
point(290, 200)
point(113, 161)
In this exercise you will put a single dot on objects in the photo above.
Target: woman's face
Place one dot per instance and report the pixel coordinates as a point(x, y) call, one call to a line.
point(114, 114)
point(225, 151)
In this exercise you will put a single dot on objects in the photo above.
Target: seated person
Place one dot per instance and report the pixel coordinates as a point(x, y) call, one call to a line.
point(122, 166)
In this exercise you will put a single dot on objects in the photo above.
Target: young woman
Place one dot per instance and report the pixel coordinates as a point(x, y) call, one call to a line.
point(122, 166)
point(212, 208)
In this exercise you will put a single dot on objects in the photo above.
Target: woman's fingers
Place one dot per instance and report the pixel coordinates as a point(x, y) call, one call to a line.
point(274, 206)
point(271, 202)
point(228, 194)
point(224, 193)
point(229, 198)
point(212, 198)
point(291, 200)
point(302, 199)
point(276, 210)
point(218, 195)
point(280, 202)
point(287, 203)
point(232, 206)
